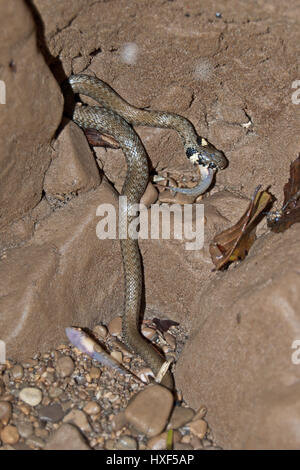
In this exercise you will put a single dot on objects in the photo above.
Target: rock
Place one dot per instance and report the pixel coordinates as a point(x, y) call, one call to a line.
point(181, 446)
point(115, 326)
point(27, 111)
point(55, 392)
point(17, 372)
point(150, 195)
point(65, 366)
point(74, 169)
point(119, 421)
point(5, 412)
point(95, 373)
point(149, 410)
point(79, 418)
point(9, 435)
point(67, 437)
point(92, 408)
point(198, 428)
point(126, 443)
point(180, 416)
point(158, 442)
point(35, 442)
point(52, 413)
point(261, 308)
point(100, 330)
point(25, 429)
point(47, 295)
point(31, 396)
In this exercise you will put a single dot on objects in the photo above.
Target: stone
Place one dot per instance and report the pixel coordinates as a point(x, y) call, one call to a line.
point(25, 429)
point(46, 295)
point(67, 437)
point(31, 396)
point(51, 413)
point(180, 416)
point(115, 326)
point(9, 435)
point(92, 408)
point(149, 410)
point(5, 412)
point(27, 111)
point(78, 418)
point(74, 169)
point(126, 443)
point(65, 366)
point(17, 372)
point(261, 308)
point(198, 428)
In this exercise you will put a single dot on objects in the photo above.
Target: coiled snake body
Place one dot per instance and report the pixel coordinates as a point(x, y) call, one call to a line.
point(115, 117)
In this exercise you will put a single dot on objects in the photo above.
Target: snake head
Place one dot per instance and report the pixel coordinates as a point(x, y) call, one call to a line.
point(207, 155)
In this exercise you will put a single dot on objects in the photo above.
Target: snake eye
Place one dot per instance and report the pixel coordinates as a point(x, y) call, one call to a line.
point(212, 165)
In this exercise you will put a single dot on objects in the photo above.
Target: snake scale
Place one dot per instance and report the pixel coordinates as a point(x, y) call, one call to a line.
point(116, 117)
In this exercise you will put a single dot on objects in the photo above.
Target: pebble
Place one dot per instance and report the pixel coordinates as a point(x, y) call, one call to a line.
point(95, 373)
point(170, 339)
point(35, 441)
point(150, 195)
point(109, 444)
point(25, 429)
point(117, 355)
point(2, 387)
point(31, 396)
point(126, 443)
point(79, 418)
point(9, 435)
point(17, 372)
point(100, 330)
point(148, 332)
point(52, 413)
point(54, 392)
point(181, 446)
point(180, 416)
point(67, 437)
point(150, 409)
point(115, 326)
point(92, 408)
point(200, 413)
point(5, 412)
point(119, 421)
point(198, 428)
point(158, 442)
point(65, 366)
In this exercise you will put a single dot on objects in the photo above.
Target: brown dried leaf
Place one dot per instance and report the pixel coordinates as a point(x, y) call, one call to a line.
point(98, 139)
point(164, 325)
point(289, 214)
point(234, 243)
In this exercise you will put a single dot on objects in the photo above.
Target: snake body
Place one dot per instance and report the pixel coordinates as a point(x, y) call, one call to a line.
point(116, 118)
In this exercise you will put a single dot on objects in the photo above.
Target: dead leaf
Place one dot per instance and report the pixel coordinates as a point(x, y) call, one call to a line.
point(164, 325)
point(289, 214)
point(98, 139)
point(234, 243)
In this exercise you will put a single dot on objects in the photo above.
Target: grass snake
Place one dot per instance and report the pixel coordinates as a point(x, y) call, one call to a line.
point(116, 117)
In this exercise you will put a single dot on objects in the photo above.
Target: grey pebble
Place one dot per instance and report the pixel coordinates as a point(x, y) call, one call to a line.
point(25, 429)
point(51, 413)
